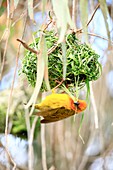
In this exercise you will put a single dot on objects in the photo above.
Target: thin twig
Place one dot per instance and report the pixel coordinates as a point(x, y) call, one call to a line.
point(98, 5)
point(8, 25)
point(34, 51)
point(28, 48)
point(9, 103)
point(5, 50)
point(33, 129)
point(8, 9)
point(96, 35)
point(47, 25)
point(12, 87)
point(92, 16)
point(99, 36)
point(24, 13)
point(31, 137)
point(52, 49)
point(59, 83)
point(27, 120)
point(9, 156)
point(6, 32)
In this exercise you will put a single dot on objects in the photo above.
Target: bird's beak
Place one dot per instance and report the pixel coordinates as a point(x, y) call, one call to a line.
point(80, 105)
point(76, 103)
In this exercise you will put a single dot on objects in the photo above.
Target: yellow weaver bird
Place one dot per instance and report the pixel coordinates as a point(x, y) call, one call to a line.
point(56, 107)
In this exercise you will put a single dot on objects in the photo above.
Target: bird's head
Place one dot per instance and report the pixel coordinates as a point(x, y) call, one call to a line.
point(79, 105)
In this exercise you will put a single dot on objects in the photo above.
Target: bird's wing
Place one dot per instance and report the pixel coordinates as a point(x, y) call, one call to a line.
point(57, 114)
point(46, 112)
point(49, 120)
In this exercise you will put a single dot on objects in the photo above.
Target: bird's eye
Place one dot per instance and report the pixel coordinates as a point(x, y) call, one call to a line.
point(76, 103)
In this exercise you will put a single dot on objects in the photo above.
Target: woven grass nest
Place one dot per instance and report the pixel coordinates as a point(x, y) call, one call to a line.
point(82, 62)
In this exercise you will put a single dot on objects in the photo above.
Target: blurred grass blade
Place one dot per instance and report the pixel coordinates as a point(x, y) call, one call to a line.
point(44, 2)
point(61, 11)
point(84, 16)
point(84, 12)
point(100, 69)
point(77, 88)
point(40, 71)
point(2, 7)
point(68, 92)
point(45, 55)
point(88, 93)
point(1, 3)
point(30, 9)
point(88, 90)
point(81, 121)
point(93, 101)
point(64, 59)
point(104, 9)
point(16, 3)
